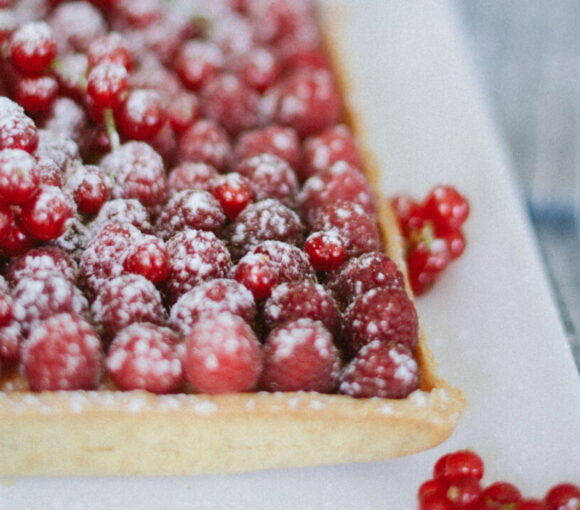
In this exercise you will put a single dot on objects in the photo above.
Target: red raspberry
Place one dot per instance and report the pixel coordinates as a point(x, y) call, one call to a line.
point(302, 300)
point(194, 209)
point(76, 25)
point(89, 187)
point(153, 75)
point(50, 173)
point(278, 140)
point(213, 297)
point(270, 177)
point(530, 504)
point(499, 494)
point(111, 47)
point(6, 221)
point(326, 250)
point(74, 240)
point(62, 353)
point(231, 103)
point(198, 176)
point(126, 300)
point(148, 258)
point(10, 342)
point(358, 230)
point(71, 73)
point(258, 274)
point(107, 84)
point(564, 496)
point(43, 260)
point(19, 176)
point(233, 192)
point(465, 493)
point(137, 12)
point(308, 101)
point(410, 214)
point(447, 208)
point(222, 355)
point(205, 142)
point(141, 115)
point(6, 309)
point(16, 242)
point(123, 210)
point(144, 357)
point(385, 314)
point(361, 274)
point(233, 34)
point(267, 220)
point(322, 151)
point(32, 48)
point(425, 261)
point(195, 256)
point(58, 147)
point(291, 263)
point(300, 356)
point(17, 131)
point(306, 58)
point(37, 298)
point(458, 465)
point(259, 68)
point(138, 172)
point(380, 370)
point(183, 111)
point(197, 61)
point(36, 94)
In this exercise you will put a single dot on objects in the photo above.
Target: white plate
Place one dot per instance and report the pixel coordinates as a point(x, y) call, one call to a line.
point(491, 320)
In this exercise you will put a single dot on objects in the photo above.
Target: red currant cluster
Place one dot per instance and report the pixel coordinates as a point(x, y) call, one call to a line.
point(433, 233)
point(456, 485)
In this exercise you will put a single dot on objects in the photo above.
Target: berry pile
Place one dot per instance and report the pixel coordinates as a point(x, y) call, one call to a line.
point(181, 208)
point(457, 485)
point(433, 233)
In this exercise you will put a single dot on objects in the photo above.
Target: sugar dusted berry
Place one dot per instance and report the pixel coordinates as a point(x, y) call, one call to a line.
point(197, 61)
point(10, 342)
point(19, 176)
point(183, 110)
point(42, 260)
point(16, 241)
point(195, 176)
point(89, 187)
point(291, 263)
point(36, 94)
point(112, 47)
point(259, 68)
point(233, 192)
point(326, 250)
point(206, 142)
point(17, 131)
point(258, 274)
point(122, 210)
point(278, 140)
point(148, 258)
point(141, 116)
point(32, 47)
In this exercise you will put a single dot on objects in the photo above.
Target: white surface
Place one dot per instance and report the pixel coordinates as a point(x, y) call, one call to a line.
point(491, 320)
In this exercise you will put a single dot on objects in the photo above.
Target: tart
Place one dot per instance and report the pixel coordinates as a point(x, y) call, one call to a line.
point(199, 236)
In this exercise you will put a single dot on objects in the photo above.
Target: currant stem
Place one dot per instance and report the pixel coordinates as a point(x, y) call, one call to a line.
point(111, 128)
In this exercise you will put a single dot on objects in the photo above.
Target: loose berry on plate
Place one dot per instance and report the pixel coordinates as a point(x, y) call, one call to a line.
point(107, 85)
point(195, 209)
point(142, 115)
point(410, 214)
point(89, 187)
point(425, 261)
point(183, 110)
point(32, 48)
point(212, 297)
point(36, 94)
point(564, 496)
point(205, 142)
point(125, 300)
point(6, 309)
point(121, 210)
point(197, 62)
point(197, 176)
point(10, 342)
point(19, 176)
point(465, 493)
point(17, 131)
point(456, 243)
point(222, 355)
point(326, 250)
point(457, 465)
point(42, 260)
point(300, 356)
point(432, 487)
point(111, 47)
point(233, 192)
point(144, 357)
point(499, 494)
point(16, 242)
point(447, 208)
point(148, 258)
point(76, 25)
point(62, 353)
point(530, 504)
point(380, 370)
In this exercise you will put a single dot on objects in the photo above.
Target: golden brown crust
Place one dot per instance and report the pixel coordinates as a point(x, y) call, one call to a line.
point(127, 433)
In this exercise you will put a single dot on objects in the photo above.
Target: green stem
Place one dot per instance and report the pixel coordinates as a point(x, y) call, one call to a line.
point(111, 128)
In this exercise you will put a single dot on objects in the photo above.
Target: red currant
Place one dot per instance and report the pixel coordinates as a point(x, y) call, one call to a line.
point(32, 47)
point(499, 494)
point(111, 47)
point(530, 504)
point(425, 262)
point(17, 131)
point(183, 110)
point(19, 176)
point(464, 492)
point(148, 258)
point(233, 192)
point(435, 486)
point(89, 188)
point(564, 496)
point(36, 94)
point(107, 84)
point(458, 465)
point(257, 273)
point(142, 115)
point(409, 214)
point(447, 208)
point(436, 502)
point(326, 250)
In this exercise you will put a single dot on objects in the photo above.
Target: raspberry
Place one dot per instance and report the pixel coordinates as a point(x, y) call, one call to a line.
point(233, 192)
point(47, 259)
point(39, 297)
point(361, 274)
point(267, 220)
point(278, 140)
point(300, 356)
point(270, 177)
point(306, 58)
point(32, 48)
point(36, 94)
point(17, 131)
point(425, 261)
point(231, 103)
point(198, 176)
point(193, 209)
point(447, 208)
point(16, 241)
point(322, 151)
point(183, 111)
point(141, 115)
point(62, 353)
point(6, 309)
point(458, 465)
point(107, 85)
point(111, 47)
point(326, 250)
point(564, 496)
point(499, 494)
point(222, 355)
point(143, 357)
point(385, 314)
point(152, 75)
point(76, 25)
point(259, 68)
point(138, 172)
point(380, 370)
point(126, 300)
point(50, 173)
point(205, 142)
point(89, 187)
point(302, 300)
point(19, 176)
point(123, 210)
point(197, 61)
point(195, 256)
point(10, 342)
point(137, 12)
point(74, 240)
point(148, 258)
point(58, 147)
point(213, 297)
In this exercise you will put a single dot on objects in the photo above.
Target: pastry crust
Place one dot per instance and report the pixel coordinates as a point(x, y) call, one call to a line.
point(137, 433)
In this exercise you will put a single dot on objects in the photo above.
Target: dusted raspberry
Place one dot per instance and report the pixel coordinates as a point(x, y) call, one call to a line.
point(74, 240)
point(71, 74)
point(76, 25)
point(183, 110)
point(222, 355)
point(258, 274)
point(10, 342)
point(123, 210)
point(152, 75)
point(278, 140)
point(141, 115)
point(17, 131)
point(32, 48)
point(214, 297)
point(361, 274)
point(301, 58)
point(50, 173)
point(62, 353)
point(89, 187)
point(137, 12)
point(43, 260)
point(107, 85)
point(233, 192)
point(205, 142)
point(112, 47)
point(16, 241)
point(339, 182)
point(302, 300)
point(279, 20)
point(148, 257)
point(144, 357)
point(193, 209)
point(300, 356)
point(58, 147)
point(233, 34)
point(126, 300)
point(197, 61)
point(322, 151)
point(352, 223)
point(195, 256)
point(19, 176)
point(380, 370)
point(6, 309)
point(199, 176)
point(267, 220)
point(308, 101)
point(67, 117)
point(259, 68)
point(231, 103)
point(291, 263)
point(270, 177)
point(39, 297)
point(138, 172)
point(385, 314)
point(326, 250)
point(36, 94)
